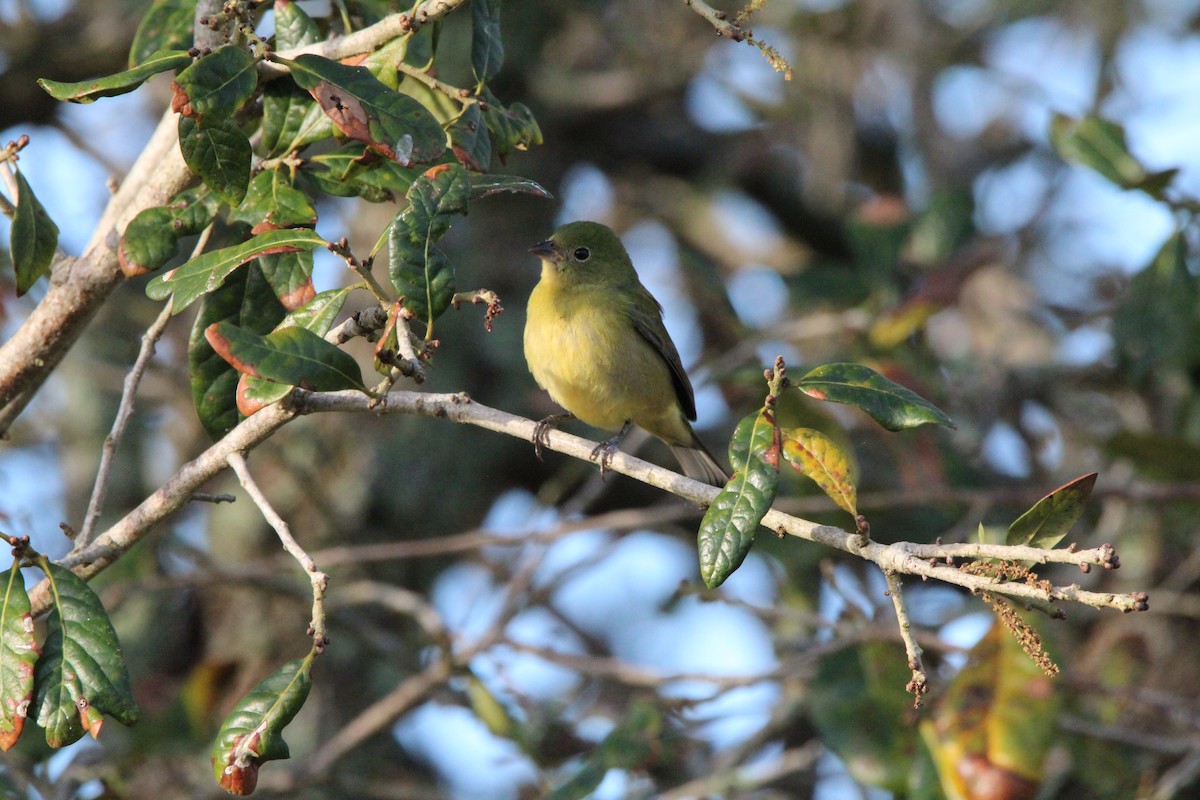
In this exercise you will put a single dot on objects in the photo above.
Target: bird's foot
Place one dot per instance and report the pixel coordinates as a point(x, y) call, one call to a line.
point(541, 431)
point(603, 452)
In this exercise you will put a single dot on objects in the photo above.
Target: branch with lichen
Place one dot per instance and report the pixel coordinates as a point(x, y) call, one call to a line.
point(737, 31)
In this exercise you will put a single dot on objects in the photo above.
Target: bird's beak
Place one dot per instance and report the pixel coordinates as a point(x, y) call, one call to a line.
point(546, 251)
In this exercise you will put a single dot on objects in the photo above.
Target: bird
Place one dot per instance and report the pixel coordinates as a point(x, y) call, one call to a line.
point(595, 340)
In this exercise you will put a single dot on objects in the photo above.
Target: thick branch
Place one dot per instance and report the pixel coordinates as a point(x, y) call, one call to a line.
point(898, 557)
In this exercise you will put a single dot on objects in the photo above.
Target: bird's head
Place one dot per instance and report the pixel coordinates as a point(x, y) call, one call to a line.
point(585, 253)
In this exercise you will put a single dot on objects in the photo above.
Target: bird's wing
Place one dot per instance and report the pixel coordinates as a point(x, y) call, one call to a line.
point(647, 320)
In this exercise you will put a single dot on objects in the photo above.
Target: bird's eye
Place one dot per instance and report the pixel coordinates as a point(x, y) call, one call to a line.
point(582, 254)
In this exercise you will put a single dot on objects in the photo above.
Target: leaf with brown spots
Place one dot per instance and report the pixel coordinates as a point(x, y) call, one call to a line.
point(365, 109)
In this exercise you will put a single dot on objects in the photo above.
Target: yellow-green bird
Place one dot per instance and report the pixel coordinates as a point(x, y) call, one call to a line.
point(595, 339)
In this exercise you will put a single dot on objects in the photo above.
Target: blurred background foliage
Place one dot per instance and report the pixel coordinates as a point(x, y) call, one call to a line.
point(900, 202)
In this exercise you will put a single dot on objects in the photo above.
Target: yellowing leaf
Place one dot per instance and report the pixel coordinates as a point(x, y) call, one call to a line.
point(814, 455)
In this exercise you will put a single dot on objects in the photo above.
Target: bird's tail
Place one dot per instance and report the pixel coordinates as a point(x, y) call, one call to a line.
point(698, 464)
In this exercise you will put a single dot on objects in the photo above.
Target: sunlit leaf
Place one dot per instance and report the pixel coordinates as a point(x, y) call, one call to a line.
point(1052, 517)
point(247, 300)
point(272, 202)
point(216, 85)
point(219, 153)
point(1100, 145)
point(285, 108)
point(18, 653)
point(206, 272)
point(816, 456)
point(731, 522)
point(317, 316)
point(418, 269)
point(81, 674)
point(293, 27)
point(368, 111)
point(120, 83)
point(292, 356)
point(888, 403)
point(166, 25)
point(33, 238)
point(253, 731)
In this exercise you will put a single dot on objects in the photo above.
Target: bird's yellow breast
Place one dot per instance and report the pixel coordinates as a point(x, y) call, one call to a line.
point(585, 351)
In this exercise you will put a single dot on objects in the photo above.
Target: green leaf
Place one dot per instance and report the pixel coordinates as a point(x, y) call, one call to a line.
point(148, 242)
point(1100, 145)
point(293, 27)
point(219, 153)
point(193, 210)
point(816, 456)
point(314, 126)
point(216, 85)
point(487, 51)
point(418, 269)
point(730, 523)
point(81, 673)
point(292, 356)
point(366, 110)
point(120, 83)
point(290, 277)
point(284, 110)
point(513, 128)
point(490, 184)
point(469, 138)
point(1157, 326)
point(382, 63)
point(272, 202)
point(18, 654)
point(167, 25)
point(1051, 518)
point(33, 238)
point(317, 316)
point(206, 272)
point(890, 404)
point(253, 731)
point(247, 300)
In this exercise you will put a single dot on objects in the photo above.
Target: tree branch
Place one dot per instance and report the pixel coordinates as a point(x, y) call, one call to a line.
point(318, 579)
point(900, 557)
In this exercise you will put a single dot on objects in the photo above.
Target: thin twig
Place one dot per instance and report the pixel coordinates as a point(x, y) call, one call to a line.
point(376, 716)
point(918, 685)
point(719, 20)
point(317, 578)
point(397, 600)
point(744, 778)
point(458, 95)
point(124, 412)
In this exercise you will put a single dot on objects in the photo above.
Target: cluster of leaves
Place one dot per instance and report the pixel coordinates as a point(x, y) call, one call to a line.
point(759, 443)
point(323, 128)
point(266, 143)
point(75, 676)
